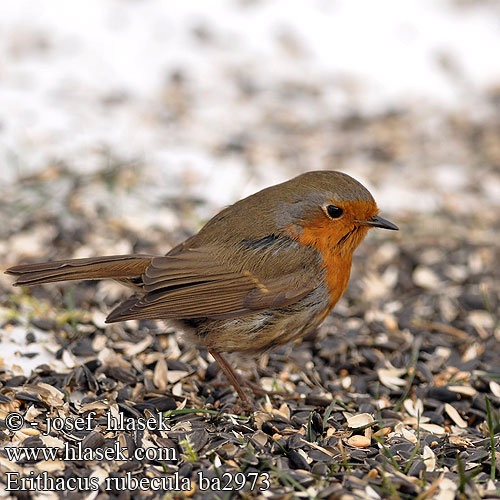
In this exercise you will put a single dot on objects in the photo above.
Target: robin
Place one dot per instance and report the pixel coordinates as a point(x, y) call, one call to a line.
point(261, 273)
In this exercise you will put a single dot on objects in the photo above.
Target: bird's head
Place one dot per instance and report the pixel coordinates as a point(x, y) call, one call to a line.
point(328, 210)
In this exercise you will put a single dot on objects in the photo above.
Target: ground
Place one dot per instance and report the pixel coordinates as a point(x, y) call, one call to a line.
point(155, 129)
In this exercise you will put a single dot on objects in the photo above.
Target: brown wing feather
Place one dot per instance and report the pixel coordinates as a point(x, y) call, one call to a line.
point(191, 284)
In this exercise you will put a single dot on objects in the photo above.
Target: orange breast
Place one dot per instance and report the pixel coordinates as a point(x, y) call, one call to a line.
point(336, 261)
point(337, 275)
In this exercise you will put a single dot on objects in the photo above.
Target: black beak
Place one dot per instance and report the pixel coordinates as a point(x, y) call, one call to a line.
point(378, 221)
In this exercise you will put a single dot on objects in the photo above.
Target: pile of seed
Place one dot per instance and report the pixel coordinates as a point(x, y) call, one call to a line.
point(397, 394)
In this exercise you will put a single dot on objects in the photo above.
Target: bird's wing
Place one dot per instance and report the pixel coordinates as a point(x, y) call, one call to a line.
point(190, 283)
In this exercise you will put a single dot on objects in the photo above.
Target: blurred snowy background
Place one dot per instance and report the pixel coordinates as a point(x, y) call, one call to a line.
point(127, 124)
point(214, 100)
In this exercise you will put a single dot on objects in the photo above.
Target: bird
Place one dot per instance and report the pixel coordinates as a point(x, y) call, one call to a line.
point(263, 272)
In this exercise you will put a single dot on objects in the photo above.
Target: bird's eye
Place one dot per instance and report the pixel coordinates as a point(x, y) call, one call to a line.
point(334, 212)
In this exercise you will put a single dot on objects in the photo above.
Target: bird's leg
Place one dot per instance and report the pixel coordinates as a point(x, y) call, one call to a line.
point(233, 377)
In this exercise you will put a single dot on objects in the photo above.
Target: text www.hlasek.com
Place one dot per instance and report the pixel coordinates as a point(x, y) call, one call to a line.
point(78, 452)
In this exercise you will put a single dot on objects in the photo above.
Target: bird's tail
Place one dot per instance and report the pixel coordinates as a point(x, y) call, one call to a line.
point(119, 267)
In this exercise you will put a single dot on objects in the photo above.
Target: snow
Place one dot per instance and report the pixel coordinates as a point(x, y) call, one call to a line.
point(80, 77)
